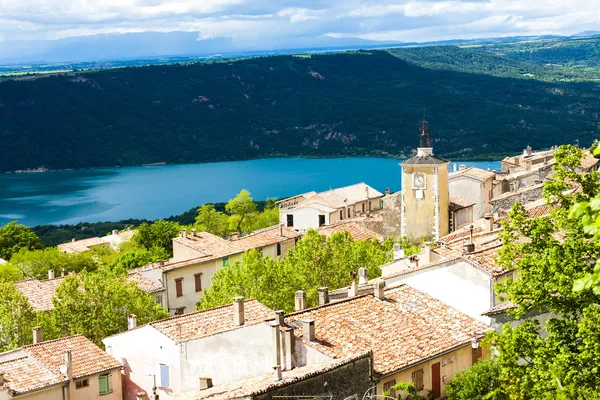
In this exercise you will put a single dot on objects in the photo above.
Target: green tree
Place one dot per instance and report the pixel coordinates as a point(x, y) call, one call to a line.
point(37, 263)
point(97, 305)
point(239, 208)
point(477, 383)
point(136, 258)
point(551, 253)
point(16, 318)
point(14, 237)
point(158, 234)
point(212, 221)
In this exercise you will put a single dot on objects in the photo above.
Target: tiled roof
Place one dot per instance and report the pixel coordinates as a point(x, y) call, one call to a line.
point(39, 293)
point(588, 161)
point(88, 359)
point(24, 375)
point(460, 234)
point(199, 324)
point(457, 202)
point(356, 230)
point(405, 329)
point(81, 246)
point(352, 194)
point(518, 192)
point(500, 308)
point(425, 160)
point(481, 257)
point(410, 270)
point(214, 247)
point(263, 384)
point(145, 284)
point(473, 172)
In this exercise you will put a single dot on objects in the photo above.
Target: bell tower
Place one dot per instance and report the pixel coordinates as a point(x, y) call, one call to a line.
point(425, 197)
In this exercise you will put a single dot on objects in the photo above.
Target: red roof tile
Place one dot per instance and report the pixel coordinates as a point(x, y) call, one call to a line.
point(24, 375)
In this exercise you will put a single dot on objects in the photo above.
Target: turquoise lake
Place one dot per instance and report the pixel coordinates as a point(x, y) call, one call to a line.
point(113, 194)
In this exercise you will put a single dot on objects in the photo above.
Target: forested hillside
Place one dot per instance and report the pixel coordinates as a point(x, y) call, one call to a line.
point(479, 100)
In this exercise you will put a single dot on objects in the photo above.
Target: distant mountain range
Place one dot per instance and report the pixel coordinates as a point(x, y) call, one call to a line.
point(130, 46)
point(482, 101)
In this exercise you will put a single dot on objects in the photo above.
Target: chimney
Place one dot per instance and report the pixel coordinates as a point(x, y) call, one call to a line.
point(488, 223)
point(279, 317)
point(469, 247)
point(308, 330)
point(50, 274)
point(235, 236)
point(353, 289)
point(277, 373)
point(289, 350)
point(63, 272)
point(72, 240)
point(184, 233)
point(398, 252)
point(454, 169)
point(379, 289)
point(205, 383)
point(300, 300)
point(426, 253)
point(277, 347)
point(323, 295)
point(414, 260)
point(68, 367)
point(238, 311)
point(362, 276)
point(37, 335)
point(114, 231)
point(388, 191)
point(194, 235)
point(462, 167)
point(131, 322)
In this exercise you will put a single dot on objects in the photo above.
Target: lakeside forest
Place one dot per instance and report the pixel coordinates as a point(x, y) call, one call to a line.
point(482, 101)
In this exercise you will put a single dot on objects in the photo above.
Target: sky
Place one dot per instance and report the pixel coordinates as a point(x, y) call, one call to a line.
point(248, 22)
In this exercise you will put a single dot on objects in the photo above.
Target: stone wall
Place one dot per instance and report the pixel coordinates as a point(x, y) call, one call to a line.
point(506, 202)
point(391, 214)
point(349, 380)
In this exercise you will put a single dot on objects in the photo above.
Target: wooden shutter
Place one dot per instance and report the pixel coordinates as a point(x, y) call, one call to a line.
point(417, 379)
point(387, 387)
point(198, 282)
point(179, 287)
point(278, 249)
point(103, 379)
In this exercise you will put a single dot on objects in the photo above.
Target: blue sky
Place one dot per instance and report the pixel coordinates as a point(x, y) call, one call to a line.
point(248, 22)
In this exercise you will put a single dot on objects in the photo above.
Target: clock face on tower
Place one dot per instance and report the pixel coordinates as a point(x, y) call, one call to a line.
point(418, 180)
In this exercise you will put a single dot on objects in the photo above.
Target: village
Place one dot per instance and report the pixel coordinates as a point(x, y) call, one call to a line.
point(423, 321)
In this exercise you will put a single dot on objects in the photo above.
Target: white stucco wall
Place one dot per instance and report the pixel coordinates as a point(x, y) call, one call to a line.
point(53, 393)
point(304, 218)
point(460, 285)
point(141, 351)
point(229, 356)
point(469, 189)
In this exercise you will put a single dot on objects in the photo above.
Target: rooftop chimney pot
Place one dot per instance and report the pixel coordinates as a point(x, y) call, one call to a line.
point(323, 295)
point(63, 272)
point(398, 252)
point(193, 232)
point(72, 240)
point(37, 335)
point(279, 317)
point(379, 289)
point(68, 367)
point(114, 232)
point(353, 289)
point(277, 373)
point(131, 322)
point(362, 276)
point(308, 330)
point(205, 383)
point(50, 274)
point(238, 311)
point(300, 300)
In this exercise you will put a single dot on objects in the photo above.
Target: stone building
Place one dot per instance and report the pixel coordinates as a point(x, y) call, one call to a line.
point(474, 184)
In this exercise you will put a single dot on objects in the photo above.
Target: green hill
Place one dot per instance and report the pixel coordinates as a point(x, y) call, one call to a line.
point(479, 100)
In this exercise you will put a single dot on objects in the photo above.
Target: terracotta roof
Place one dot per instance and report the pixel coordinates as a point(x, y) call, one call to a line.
point(356, 230)
point(204, 323)
point(24, 375)
point(500, 308)
point(145, 284)
point(457, 203)
point(588, 161)
point(352, 194)
point(410, 270)
point(518, 192)
point(481, 257)
point(473, 172)
point(460, 234)
point(263, 384)
point(82, 246)
point(88, 359)
point(405, 329)
point(214, 247)
point(39, 293)
point(425, 160)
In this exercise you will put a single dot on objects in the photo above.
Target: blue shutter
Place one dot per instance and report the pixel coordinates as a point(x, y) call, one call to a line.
point(165, 380)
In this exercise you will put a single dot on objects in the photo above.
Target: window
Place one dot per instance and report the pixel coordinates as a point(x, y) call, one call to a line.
point(321, 220)
point(179, 287)
point(82, 383)
point(105, 384)
point(290, 219)
point(341, 214)
point(179, 311)
point(158, 300)
point(278, 249)
point(225, 262)
point(165, 379)
point(363, 207)
point(417, 379)
point(387, 387)
point(198, 282)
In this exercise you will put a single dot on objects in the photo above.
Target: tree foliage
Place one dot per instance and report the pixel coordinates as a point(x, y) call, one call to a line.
point(211, 220)
point(551, 253)
point(16, 318)
point(97, 305)
point(314, 262)
point(240, 208)
point(157, 234)
point(14, 237)
point(476, 383)
point(37, 263)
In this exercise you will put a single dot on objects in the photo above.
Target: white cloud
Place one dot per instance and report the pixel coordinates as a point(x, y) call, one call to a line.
point(260, 21)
